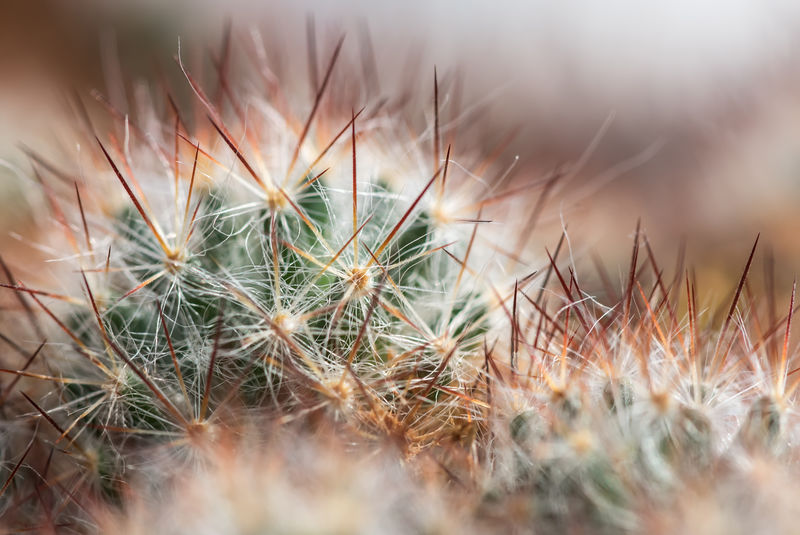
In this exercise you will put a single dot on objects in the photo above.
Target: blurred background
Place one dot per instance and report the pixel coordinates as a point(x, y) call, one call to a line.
point(693, 106)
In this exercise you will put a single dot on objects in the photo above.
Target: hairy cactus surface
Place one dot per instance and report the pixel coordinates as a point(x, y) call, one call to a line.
point(234, 272)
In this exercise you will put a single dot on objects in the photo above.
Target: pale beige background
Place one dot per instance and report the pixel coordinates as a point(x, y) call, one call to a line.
point(712, 85)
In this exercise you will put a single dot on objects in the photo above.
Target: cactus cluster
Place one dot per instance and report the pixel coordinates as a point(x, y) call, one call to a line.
point(332, 274)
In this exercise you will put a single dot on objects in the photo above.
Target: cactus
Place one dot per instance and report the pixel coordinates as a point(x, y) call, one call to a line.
point(330, 274)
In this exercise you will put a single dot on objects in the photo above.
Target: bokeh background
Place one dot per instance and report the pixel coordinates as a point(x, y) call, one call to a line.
point(697, 102)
